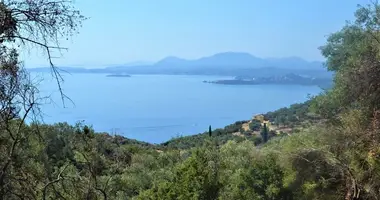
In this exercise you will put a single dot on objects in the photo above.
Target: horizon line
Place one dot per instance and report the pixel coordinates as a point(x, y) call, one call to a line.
point(186, 59)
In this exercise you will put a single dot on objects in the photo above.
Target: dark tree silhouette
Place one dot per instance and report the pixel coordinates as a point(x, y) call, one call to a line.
point(264, 133)
point(209, 131)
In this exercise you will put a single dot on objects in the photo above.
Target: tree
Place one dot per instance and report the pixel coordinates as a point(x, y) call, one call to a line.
point(209, 131)
point(352, 105)
point(40, 24)
point(277, 121)
point(25, 23)
point(259, 178)
point(264, 133)
point(255, 125)
point(352, 53)
point(196, 178)
point(282, 120)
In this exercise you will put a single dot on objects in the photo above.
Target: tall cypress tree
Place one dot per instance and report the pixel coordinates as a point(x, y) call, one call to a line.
point(209, 131)
point(264, 133)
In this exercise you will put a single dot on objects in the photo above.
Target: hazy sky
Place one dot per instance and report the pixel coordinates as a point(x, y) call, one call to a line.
point(123, 31)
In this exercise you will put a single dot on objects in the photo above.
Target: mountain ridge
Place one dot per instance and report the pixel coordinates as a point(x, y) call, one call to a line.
point(240, 59)
point(223, 64)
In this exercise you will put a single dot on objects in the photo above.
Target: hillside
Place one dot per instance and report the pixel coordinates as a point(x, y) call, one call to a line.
point(326, 148)
point(282, 122)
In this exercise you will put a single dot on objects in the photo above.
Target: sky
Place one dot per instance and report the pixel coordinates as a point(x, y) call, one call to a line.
point(125, 31)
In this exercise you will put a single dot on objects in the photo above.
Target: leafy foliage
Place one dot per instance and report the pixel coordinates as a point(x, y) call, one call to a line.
point(255, 125)
point(220, 135)
point(336, 154)
point(293, 115)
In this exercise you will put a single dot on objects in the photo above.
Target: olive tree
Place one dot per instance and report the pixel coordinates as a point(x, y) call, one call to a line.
point(27, 25)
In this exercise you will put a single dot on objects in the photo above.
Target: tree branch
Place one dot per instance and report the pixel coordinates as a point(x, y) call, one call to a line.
point(59, 177)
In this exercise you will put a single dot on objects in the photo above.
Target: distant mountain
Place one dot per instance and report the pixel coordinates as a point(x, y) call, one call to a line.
point(138, 63)
point(231, 59)
point(295, 63)
point(235, 60)
point(223, 64)
point(171, 60)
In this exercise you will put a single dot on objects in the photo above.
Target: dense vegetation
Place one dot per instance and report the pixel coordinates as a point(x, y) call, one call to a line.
point(296, 115)
point(288, 79)
point(220, 136)
point(334, 154)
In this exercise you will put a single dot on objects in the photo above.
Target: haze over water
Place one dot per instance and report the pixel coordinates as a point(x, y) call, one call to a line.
point(156, 108)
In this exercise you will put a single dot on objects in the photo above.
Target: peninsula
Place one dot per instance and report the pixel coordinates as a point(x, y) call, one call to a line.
point(289, 79)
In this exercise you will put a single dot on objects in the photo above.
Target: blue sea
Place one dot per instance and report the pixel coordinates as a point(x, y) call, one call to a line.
point(156, 108)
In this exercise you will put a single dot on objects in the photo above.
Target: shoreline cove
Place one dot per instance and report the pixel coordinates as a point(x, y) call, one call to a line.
point(157, 108)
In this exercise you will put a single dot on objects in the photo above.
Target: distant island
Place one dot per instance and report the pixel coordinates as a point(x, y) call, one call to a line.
point(119, 75)
point(289, 79)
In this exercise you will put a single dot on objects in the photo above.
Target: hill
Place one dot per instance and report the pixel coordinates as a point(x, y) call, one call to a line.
point(281, 122)
point(327, 148)
point(225, 64)
point(238, 60)
point(229, 64)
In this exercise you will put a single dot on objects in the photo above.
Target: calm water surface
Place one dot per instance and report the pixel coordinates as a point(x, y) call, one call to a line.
point(156, 108)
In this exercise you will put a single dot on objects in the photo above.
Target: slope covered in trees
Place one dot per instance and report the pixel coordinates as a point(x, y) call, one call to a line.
point(335, 154)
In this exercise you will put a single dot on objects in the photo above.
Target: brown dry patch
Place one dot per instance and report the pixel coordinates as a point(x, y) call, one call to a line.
point(283, 129)
point(259, 117)
point(255, 133)
point(238, 134)
point(245, 126)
